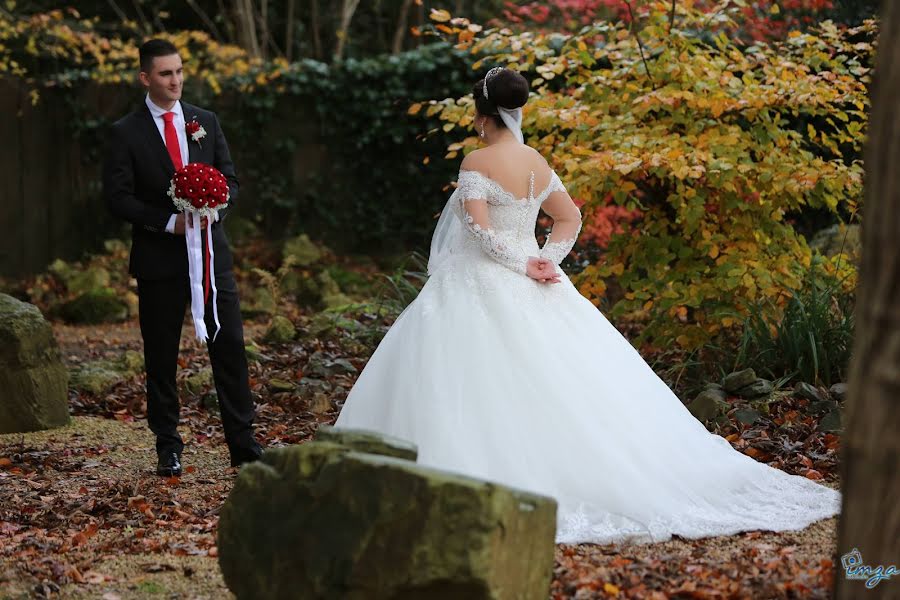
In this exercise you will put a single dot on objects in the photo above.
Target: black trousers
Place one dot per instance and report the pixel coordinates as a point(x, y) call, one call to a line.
point(162, 305)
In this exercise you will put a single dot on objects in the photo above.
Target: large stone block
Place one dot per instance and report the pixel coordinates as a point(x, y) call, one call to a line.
point(33, 378)
point(369, 442)
point(320, 521)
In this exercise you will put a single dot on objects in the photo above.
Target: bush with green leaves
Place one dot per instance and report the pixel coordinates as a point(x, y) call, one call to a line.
point(324, 148)
point(810, 341)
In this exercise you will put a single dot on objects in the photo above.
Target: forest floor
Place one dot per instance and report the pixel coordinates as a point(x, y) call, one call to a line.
point(82, 514)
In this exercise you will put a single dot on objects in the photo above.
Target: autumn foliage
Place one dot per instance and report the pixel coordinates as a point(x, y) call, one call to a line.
point(716, 144)
point(755, 21)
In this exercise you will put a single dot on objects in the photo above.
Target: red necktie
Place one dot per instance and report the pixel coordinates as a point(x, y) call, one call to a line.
point(172, 144)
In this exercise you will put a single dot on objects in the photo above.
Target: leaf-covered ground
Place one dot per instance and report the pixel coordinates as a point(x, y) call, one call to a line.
point(82, 514)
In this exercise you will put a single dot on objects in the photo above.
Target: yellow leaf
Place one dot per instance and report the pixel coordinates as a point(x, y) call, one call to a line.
point(439, 15)
point(414, 109)
point(714, 251)
point(775, 9)
point(626, 168)
point(610, 589)
point(426, 160)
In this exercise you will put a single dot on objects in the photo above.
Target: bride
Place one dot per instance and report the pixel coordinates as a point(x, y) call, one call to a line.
point(501, 370)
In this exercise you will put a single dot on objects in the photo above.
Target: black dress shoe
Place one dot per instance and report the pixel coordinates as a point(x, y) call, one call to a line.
point(244, 454)
point(169, 465)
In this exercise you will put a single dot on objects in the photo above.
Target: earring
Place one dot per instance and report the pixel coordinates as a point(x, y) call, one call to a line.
point(482, 129)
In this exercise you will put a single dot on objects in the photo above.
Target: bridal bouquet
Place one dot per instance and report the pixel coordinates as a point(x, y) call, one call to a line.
point(199, 190)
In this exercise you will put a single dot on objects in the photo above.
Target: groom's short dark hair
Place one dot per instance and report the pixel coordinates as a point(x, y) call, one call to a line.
point(153, 48)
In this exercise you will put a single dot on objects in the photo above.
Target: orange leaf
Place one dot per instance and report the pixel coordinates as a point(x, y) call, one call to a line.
point(439, 15)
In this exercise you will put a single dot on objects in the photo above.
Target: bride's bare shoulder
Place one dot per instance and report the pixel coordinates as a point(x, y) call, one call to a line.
point(475, 160)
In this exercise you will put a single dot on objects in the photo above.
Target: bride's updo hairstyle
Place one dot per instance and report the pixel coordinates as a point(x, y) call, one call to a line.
point(506, 89)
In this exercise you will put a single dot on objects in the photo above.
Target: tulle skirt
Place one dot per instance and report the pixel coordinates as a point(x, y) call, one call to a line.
point(499, 377)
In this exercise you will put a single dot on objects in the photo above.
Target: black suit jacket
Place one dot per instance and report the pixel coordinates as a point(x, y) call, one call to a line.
point(137, 173)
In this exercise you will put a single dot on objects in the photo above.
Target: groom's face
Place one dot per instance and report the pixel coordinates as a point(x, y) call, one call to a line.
point(165, 79)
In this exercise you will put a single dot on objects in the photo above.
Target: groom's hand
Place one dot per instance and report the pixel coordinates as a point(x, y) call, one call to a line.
point(180, 223)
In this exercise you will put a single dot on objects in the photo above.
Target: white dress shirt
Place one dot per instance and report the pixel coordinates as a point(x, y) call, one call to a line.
point(157, 114)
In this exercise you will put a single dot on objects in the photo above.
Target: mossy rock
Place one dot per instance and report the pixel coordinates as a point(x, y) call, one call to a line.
point(92, 279)
point(370, 442)
point(351, 281)
point(739, 379)
point(33, 377)
point(199, 382)
point(757, 389)
point(260, 302)
point(95, 306)
point(319, 521)
point(708, 404)
point(99, 376)
point(838, 238)
point(95, 377)
point(280, 331)
point(304, 252)
point(320, 292)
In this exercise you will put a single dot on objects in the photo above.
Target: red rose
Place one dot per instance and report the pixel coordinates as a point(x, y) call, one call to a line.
point(192, 127)
point(201, 186)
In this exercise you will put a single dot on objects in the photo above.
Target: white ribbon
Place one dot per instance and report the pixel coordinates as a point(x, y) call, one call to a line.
point(194, 240)
point(512, 118)
point(212, 274)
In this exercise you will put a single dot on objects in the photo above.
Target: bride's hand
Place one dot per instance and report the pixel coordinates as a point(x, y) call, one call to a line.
point(541, 269)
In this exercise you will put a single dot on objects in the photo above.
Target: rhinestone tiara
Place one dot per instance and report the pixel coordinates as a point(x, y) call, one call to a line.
point(490, 74)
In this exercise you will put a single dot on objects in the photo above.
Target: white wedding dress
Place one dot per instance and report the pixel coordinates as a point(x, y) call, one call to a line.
point(497, 376)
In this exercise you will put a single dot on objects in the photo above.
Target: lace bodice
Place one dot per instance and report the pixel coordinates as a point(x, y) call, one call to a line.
point(503, 225)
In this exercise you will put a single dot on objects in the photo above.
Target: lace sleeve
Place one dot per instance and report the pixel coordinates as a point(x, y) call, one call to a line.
point(566, 222)
point(472, 194)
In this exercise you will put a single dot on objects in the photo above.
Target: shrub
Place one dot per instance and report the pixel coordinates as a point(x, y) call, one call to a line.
point(715, 143)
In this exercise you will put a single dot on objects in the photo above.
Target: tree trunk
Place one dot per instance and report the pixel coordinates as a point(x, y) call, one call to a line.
point(314, 26)
point(870, 461)
point(263, 28)
point(289, 32)
point(421, 21)
point(246, 26)
point(400, 31)
point(348, 7)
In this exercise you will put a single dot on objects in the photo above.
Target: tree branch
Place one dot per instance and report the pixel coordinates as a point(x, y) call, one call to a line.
point(400, 31)
point(639, 43)
point(210, 26)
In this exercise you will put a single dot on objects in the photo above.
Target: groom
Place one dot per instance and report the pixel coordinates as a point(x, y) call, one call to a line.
point(145, 149)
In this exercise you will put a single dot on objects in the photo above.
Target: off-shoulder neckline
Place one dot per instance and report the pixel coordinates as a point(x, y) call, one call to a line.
point(510, 194)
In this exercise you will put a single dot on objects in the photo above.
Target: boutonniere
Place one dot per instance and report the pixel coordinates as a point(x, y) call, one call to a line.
point(195, 130)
